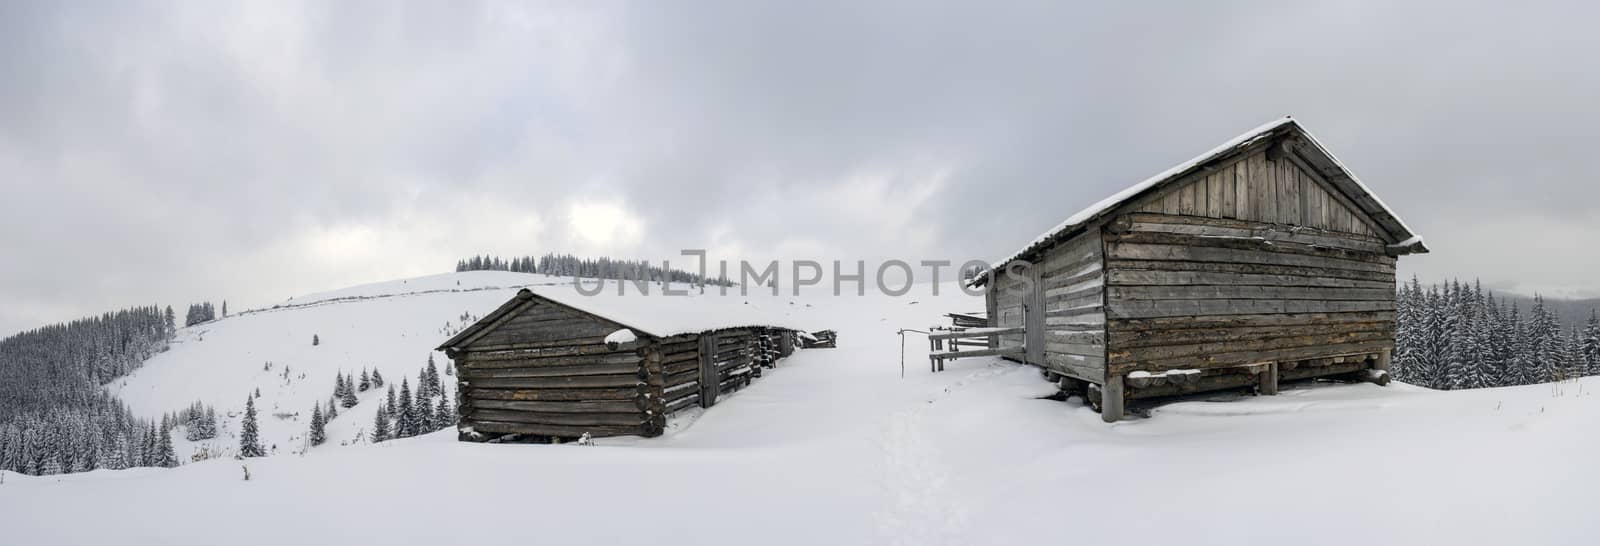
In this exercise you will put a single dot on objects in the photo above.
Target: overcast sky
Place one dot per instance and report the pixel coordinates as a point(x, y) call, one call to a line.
point(172, 153)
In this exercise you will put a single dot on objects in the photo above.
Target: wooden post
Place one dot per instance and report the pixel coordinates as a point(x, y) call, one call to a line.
point(1383, 359)
point(1268, 380)
point(1111, 399)
point(709, 382)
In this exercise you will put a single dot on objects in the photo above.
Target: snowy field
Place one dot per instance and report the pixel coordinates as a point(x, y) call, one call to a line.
point(833, 447)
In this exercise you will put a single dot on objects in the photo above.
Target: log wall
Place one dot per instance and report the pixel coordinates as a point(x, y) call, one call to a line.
point(546, 371)
point(1072, 282)
point(1193, 292)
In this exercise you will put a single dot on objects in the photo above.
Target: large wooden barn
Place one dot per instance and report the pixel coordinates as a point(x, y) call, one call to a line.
point(557, 365)
point(1260, 261)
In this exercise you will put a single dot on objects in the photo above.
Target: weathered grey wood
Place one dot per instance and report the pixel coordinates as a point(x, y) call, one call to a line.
point(1134, 338)
point(1111, 399)
point(964, 334)
point(1286, 251)
point(1222, 291)
point(552, 395)
point(1140, 277)
point(1228, 359)
point(566, 419)
point(618, 406)
point(1125, 309)
point(1189, 225)
point(562, 431)
point(1269, 379)
point(534, 353)
point(1262, 269)
point(708, 370)
point(579, 382)
point(552, 371)
point(1005, 351)
point(601, 359)
point(1087, 368)
point(1376, 377)
point(1384, 358)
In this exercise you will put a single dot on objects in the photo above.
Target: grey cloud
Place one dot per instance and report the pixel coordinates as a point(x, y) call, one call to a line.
point(184, 151)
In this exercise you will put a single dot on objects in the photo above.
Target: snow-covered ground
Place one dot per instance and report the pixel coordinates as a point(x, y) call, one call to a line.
point(835, 447)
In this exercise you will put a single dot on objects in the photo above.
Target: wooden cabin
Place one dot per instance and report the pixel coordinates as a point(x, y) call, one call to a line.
point(542, 367)
point(1261, 261)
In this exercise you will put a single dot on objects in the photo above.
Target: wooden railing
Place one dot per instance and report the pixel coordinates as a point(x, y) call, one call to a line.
point(959, 338)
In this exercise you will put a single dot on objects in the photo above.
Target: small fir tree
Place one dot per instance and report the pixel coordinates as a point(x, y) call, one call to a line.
point(380, 425)
point(249, 437)
point(319, 433)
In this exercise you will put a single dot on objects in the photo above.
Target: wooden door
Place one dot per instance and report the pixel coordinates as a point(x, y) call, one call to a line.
point(1033, 317)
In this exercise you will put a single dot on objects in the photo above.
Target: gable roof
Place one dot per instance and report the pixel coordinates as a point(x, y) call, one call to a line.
point(1401, 239)
point(654, 314)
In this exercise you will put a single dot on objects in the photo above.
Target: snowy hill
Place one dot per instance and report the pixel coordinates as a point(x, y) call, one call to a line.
point(391, 327)
point(834, 447)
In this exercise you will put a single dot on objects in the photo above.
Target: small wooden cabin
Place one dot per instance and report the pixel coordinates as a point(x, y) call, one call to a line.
point(1260, 261)
point(538, 367)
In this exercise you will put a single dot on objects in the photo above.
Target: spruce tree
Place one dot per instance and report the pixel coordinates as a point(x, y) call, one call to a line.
point(380, 425)
point(424, 407)
point(166, 457)
point(318, 433)
point(315, 341)
point(348, 399)
point(366, 381)
point(389, 403)
point(377, 378)
point(444, 416)
point(1591, 344)
point(431, 373)
point(249, 440)
point(407, 417)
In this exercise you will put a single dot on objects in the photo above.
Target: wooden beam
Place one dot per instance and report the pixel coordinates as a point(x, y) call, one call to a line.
point(1111, 399)
point(1269, 380)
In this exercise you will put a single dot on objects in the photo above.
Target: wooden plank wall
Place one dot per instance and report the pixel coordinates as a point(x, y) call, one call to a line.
point(1198, 292)
point(548, 372)
point(1073, 283)
point(680, 368)
point(1261, 190)
point(1009, 297)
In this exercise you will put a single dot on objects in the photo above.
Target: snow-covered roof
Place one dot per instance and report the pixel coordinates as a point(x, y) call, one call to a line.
point(657, 314)
point(1401, 235)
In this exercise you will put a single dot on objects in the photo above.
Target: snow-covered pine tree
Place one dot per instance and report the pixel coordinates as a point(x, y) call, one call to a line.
point(249, 436)
point(318, 433)
point(406, 424)
point(116, 458)
point(1591, 344)
point(366, 381)
point(377, 379)
point(333, 409)
point(389, 403)
point(444, 416)
point(432, 375)
point(424, 410)
point(166, 457)
point(380, 425)
point(315, 341)
point(348, 399)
